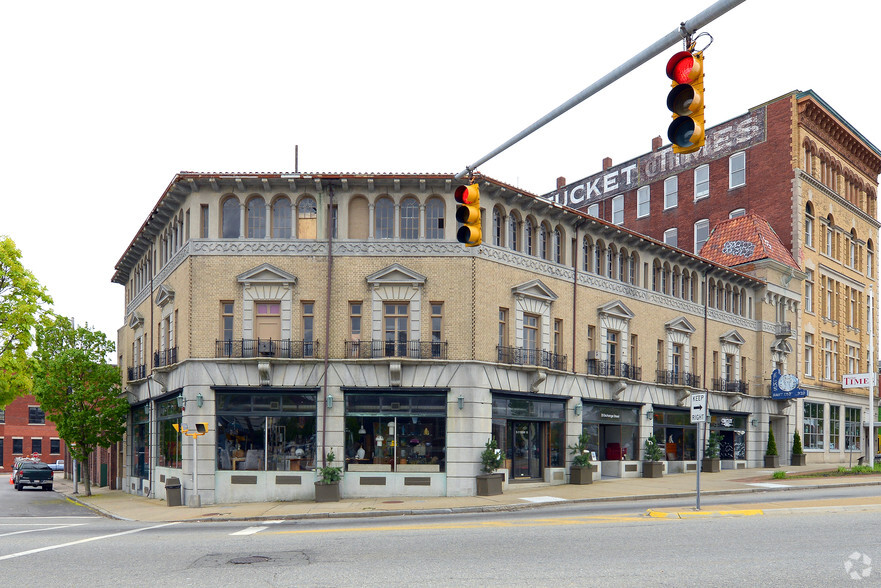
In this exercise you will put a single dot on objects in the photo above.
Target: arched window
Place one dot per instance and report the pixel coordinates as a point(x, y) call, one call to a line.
point(542, 242)
point(281, 218)
point(586, 253)
point(599, 258)
point(558, 246)
point(512, 232)
point(232, 214)
point(256, 218)
point(809, 225)
point(358, 218)
point(497, 227)
point(384, 219)
point(529, 238)
point(830, 244)
point(623, 258)
point(686, 285)
point(711, 294)
point(307, 218)
point(870, 259)
point(656, 276)
point(611, 255)
point(634, 269)
point(676, 283)
point(852, 249)
point(410, 218)
point(434, 218)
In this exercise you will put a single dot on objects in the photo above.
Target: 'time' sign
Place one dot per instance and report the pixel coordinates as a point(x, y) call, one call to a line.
point(858, 380)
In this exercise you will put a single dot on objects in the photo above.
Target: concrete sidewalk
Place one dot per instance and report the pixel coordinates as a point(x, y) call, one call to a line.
point(119, 505)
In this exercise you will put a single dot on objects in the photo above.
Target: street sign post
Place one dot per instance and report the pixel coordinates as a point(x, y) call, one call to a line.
point(699, 417)
point(698, 408)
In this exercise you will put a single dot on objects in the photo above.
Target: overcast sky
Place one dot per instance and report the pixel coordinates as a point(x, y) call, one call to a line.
point(103, 102)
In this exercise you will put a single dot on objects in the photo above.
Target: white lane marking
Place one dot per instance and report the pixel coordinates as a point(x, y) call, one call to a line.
point(249, 531)
point(51, 518)
point(543, 499)
point(72, 543)
point(770, 485)
point(42, 528)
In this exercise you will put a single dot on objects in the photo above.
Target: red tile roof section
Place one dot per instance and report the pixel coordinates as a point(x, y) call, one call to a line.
point(745, 239)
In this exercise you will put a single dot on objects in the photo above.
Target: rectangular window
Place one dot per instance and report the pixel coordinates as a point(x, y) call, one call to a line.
point(612, 338)
point(355, 321)
point(594, 210)
point(737, 170)
point(308, 329)
point(701, 182)
point(503, 327)
point(676, 364)
point(395, 328)
point(591, 333)
point(17, 445)
point(809, 355)
point(660, 359)
point(618, 210)
point(634, 350)
point(36, 416)
point(853, 360)
point(530, 332)
point(226, 319)
point(643, 201)
point(852, 422)
point(809, 291)
point(834, 426)
point(829, 240)
point(203, 221)
point(716, 365)
point(671, 192)
point(55, 446)
point(2, 416)
point(671, 237)
point(558, 336)
point(37, 445)
point(813, 425)
point(701, 234)
point(437, 325)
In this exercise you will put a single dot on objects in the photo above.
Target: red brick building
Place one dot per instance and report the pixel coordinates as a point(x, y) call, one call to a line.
point(24, 431)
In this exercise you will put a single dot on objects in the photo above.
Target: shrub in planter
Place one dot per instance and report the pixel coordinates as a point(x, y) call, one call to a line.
point(490, 483)
point(581, 471)
point(772, 460)
point(652, 467)
point(327, 487)
point(711, 461)
point(798, 455)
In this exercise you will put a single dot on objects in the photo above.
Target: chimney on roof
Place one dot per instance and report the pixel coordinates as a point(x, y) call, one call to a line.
point(656, 143)
point(607, 163)
point(561, 181)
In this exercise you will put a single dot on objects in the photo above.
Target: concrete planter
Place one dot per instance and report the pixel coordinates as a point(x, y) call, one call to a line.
point(489, 484)
point(652, 469)
point(329, 492)
point(711, 464)
point(582, 475)
point(772, 461)
point(798, 459)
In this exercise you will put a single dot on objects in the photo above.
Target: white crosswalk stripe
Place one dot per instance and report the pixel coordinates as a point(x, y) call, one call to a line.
point(249, 531)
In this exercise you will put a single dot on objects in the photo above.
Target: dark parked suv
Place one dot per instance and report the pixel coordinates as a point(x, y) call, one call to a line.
point(32, 473)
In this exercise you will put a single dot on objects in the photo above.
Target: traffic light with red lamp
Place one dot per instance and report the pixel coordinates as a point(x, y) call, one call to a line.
point(468, 213)
point(686, 101)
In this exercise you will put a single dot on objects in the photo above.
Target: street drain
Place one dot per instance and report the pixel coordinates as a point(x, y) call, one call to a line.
point(250, 559)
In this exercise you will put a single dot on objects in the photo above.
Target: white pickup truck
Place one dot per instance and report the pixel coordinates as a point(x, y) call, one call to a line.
point(58, 466)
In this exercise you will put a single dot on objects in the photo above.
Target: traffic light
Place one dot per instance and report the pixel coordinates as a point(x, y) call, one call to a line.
point(686, 101)
point(468, 213)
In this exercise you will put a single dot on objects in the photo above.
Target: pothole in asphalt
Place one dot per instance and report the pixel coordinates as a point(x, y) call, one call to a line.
point(286, 558)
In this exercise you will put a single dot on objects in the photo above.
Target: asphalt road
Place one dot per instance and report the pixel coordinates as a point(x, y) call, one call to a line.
point(45, 540)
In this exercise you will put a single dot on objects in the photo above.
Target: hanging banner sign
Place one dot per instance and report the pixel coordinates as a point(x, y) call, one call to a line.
point(785, 386)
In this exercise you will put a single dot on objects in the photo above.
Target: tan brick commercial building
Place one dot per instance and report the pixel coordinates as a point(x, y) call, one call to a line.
point(800, 165)
point(299, 313)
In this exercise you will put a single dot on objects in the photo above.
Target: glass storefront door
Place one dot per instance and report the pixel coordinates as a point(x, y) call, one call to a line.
point(526, 457)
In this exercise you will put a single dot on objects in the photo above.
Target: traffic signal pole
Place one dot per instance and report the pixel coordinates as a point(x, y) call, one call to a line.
point(686, 29)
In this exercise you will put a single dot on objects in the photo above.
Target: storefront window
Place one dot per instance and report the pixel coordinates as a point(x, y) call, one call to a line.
point(396, 429)
point(732, 430)
point(530, 433)
point(169, 414)
point(614, 430)
point(673, 429)
point(140, 441)
point(266, 432)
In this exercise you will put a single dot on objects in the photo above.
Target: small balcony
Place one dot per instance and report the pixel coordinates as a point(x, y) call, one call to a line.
point(615, 369)
point(408, 349)
point(723, 385)
point(677, 378)
point(539, 357)
point(281, 348)
point(164, 358)
point(138, 372)
point(783, 330)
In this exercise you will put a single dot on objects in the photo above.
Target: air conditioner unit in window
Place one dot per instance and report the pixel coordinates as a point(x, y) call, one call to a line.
point(593, 355)
point(264, 347)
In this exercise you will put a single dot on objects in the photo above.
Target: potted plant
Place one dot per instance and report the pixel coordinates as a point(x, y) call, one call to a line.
point(711, 461)
point(581, 471)
point(772, 460)
point(327, 487)
point(489, 483)
point(652, 467)
point(798, 454)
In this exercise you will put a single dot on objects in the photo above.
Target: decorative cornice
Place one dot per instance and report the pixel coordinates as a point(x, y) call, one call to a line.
point(828, 128)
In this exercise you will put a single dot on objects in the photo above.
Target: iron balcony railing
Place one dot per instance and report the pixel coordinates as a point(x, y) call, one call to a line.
point(598, 367)
point(165, 357)
point(266, 348)
point(408, 349)
point(724, 385)
point(677, 378)
point(539, 357)
point(138, 372)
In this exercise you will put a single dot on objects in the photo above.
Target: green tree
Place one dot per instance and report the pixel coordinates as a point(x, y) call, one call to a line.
point(77, 389)
point(22, 302)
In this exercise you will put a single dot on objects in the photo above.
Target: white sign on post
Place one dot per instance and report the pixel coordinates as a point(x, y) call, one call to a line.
point(858, 380)
point(698, 408)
